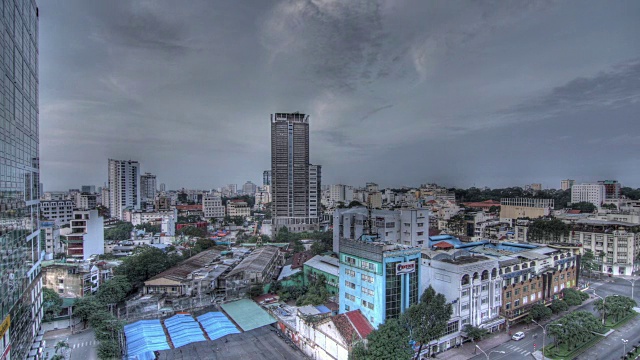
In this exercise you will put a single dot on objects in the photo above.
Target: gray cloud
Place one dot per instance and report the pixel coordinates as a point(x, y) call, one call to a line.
point(399, 92)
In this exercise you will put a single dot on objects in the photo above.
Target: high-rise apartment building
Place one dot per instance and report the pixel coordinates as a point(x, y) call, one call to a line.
point(163, 187)
point(249, 188)
point(148, 188)
point(593, 193)
point(612, 189)
point(20, 251)
point(123, 186)
point(291, 173)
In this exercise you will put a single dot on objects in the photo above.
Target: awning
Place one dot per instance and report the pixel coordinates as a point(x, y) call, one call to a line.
point(492, 323)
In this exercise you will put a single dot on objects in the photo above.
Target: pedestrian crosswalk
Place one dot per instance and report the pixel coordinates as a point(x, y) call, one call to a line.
point(516, 349)
point(85, 343)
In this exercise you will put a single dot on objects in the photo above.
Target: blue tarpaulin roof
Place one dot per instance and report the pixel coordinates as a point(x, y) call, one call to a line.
point(323, 309)
point(217, 325)
point(183, 330)
point(143, 338)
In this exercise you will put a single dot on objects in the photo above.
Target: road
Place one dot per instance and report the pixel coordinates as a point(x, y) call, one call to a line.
point(82, 346)
point(604, 350)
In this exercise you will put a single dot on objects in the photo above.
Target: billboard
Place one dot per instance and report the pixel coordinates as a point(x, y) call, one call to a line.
point(405, 268)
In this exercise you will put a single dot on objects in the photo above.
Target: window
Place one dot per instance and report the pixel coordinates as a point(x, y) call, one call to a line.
point(452, 327)
point(346, 308)
point(464, 307)
point(525, 289)
point(60, 291)
point(465, 292)
point(533, 286)
point(517, 292)
point(60, 281)
point(366, 278)
point(484, 300)
point(349, 297)
point(367, 291)
point(367, 304)
point(465, 321)
point(350, 273)
point(516, 303)
point(485, 287)
point(350, 260)
point(368, 265)
point(507, 306)
point(349, 284)
point(508, 294)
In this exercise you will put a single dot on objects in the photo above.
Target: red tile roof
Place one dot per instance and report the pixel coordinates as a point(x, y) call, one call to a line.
point(443, 245)
point(189, 207)
point(300, 258)
point(361, 324)
point(434, 232)
point(483, 204)
point(573, 212)
point(352, 326)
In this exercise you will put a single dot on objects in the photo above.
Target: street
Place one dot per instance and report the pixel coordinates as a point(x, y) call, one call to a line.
point(608, 349)
point(82, 346)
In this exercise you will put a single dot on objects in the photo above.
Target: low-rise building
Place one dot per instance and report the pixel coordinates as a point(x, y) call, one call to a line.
point(238, 208)
point(87, 235)
point(197, 275)
point(50, 232)
point(60, 211)
point(327, 266)
point(212, 206)
point(74, 280)
point(261, 266)
point(471, 283)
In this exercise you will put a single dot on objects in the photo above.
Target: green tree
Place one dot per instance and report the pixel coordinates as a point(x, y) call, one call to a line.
point(588, 261)
point(573, 297)
point(109, 349)
point(547, 230)
point(316, 293)
point(192, 231)
point(358, 351)
point(148, 227)
point(540, 312)
point(610, 206)
point(427, 320)
point(120, 231)
point(84, 307)
point(584, 206)
point(51, 303)
point(146, 262)
point(389, 342)
point(475, 334)
point(558, 306)
point(114, 290)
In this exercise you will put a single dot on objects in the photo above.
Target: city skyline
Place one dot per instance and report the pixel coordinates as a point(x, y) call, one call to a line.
point(397, 93)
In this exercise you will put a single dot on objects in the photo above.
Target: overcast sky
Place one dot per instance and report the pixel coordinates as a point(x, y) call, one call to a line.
point(485, 93)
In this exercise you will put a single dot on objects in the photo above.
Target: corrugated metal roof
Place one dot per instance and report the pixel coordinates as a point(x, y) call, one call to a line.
point(183, 330)
point(143, 338)
point(328, 264)
point(217, 325)
point(247, 314)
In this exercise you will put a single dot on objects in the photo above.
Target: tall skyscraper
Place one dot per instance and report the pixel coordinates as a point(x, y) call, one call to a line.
point(20, 251)
point(123, 186)
point(148, 188)
point(266, 177)
point(163, 187)
point(290, 173)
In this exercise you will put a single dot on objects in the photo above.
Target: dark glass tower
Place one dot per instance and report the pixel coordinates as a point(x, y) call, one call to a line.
point(20, 252)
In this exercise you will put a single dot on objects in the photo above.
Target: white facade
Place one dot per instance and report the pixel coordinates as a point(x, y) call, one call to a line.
point(321, 341)
point(619, 248)
point(471, 283)
point(249, 188)
point(123, 186)
point(405, 226)
point(212, 206)
point(87, 235)
point(593, 193)
point(52, 243)
point(315, 176)
point(59, 211)
point(341, 193)
point(167, 219)
point(238, 208)
point(86, 201)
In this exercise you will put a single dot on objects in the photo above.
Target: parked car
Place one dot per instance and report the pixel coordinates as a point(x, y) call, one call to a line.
point(518, 336)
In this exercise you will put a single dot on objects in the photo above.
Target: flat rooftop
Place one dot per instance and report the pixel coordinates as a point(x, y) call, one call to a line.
point(259, 344)
point(465, 259)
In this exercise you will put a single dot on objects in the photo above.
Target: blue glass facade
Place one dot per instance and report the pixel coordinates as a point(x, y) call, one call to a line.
point(20, 249)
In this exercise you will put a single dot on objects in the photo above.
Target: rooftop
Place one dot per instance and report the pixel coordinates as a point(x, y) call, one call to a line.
point(256, 261)
point(185, 268)
point(327, 264)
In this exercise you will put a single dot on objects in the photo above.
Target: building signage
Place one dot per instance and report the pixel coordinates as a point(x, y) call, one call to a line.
point(405, 268)
point(5, 325)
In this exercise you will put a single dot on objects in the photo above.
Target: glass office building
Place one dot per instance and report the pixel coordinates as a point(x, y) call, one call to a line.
point(20, 248)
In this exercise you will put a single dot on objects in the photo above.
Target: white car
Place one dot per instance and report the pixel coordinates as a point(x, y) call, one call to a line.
point(518, 336)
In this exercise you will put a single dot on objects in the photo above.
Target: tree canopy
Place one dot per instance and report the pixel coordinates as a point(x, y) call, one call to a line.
point(559, 306)
point(51, 303)
point(389, 342)
point(120, 231)
point(616, 306)
point(148, 227)
point(146, 262)
point(574, 297)
point(574, 329)
point(584, 206)
point(542, 230)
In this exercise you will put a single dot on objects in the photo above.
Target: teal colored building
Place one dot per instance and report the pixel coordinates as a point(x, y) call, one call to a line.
point(380, 279)
point(323, 265)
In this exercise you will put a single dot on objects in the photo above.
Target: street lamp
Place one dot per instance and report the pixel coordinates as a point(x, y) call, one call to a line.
point(492, 351)
point(604, 300)
point(624, 346)
point(544, 334)
point(633, 282)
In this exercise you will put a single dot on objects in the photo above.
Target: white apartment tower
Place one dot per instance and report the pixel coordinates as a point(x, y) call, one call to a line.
point(212, 206)
point(593, 193)
point(123, 186)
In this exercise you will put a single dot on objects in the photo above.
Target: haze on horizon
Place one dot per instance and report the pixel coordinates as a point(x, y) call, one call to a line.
point(399, 92)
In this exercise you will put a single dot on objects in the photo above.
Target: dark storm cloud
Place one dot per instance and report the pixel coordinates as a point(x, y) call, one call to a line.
point(399, 92)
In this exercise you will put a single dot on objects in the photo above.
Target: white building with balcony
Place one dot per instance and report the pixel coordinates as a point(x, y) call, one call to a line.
point(471, 283)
